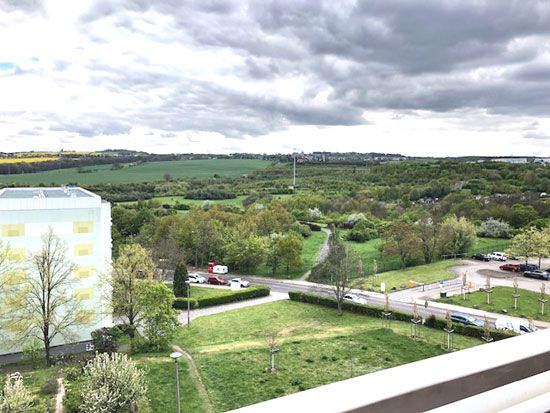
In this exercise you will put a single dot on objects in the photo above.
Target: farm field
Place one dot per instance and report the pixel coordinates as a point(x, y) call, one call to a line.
point(316, 347)
point(146, 172)
point(529, 306)
point(173, 200)
point(423, 274)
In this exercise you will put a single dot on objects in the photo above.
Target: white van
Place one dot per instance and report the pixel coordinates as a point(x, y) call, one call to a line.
point(219, 269)
point(498, 256)
point(517, 325)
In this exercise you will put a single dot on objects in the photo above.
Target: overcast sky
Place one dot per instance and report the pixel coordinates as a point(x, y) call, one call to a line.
point(441, 77)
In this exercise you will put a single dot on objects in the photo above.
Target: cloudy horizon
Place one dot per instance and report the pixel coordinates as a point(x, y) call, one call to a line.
point(430, 78)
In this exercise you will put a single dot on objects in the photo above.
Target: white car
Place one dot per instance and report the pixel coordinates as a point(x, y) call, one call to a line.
point(242, 283)
point(355, 299)
point(196, 278)
point(498, 256)
point(518, 325)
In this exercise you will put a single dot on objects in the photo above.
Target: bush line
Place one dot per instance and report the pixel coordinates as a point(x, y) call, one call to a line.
point(431, 322)
point(224, 297)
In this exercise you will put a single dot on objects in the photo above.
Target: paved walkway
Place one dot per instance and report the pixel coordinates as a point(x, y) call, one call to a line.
point(231, 306)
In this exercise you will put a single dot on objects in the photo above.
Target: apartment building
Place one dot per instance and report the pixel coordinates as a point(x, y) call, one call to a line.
point(81, 219)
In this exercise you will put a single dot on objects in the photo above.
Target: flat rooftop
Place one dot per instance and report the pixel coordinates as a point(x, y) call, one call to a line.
point(44, 193)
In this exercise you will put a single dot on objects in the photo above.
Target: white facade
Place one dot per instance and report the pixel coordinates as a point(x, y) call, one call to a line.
point(81, 219)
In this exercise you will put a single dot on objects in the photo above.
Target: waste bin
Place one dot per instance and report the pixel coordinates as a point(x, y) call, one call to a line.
point(442, 294)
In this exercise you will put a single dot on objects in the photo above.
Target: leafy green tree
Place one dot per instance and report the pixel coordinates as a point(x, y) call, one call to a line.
point(427, 232)
point(245, 252)
point(133, 264)
point(290, 251)
point(112, 384)
point(180, 276)
point(457, 235)
point(159, 318)
point(15, 398)
point(400, 239)
point(522, 215)
point(363, 230)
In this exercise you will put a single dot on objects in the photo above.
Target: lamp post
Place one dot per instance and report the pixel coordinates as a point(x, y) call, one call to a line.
point(175, 356)
point(188, 303)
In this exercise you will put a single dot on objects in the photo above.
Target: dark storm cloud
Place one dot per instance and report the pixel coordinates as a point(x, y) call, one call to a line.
point(377, 54)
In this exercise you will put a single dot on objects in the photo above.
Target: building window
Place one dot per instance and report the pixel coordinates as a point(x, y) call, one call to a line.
point(16, 254)
point(13, 230)
point(84, 294)
point(83, 227)
point(84, 272)
point(83, 249)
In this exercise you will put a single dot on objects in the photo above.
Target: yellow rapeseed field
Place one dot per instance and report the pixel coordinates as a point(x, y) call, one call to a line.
point(27, 160)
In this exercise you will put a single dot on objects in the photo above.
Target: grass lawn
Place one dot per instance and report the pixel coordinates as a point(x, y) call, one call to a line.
point(161, 381)
point(311, 247)
point(148, 171)
point(201, 292)
point(529, 306)
point(316, 347)
point(423, 274)
point(173, 200)
point(487, 245)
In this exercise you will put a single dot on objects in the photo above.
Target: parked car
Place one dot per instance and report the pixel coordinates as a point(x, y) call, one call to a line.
point(216, 280)
point(498, 256)
point(466, 319)
point(355, 299)
point(196, 278)
point(481, 257)
point(510, 267)
point(242, 283)
point(541, 275)
point(518, 325)
point(528, 267)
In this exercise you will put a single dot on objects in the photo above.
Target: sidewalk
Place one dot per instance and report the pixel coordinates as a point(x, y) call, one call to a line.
point(182, 317)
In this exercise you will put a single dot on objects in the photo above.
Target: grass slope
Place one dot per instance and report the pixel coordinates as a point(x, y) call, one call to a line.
point(149, 171)
point(316, 347)
point(423, 274)
point(529, 306)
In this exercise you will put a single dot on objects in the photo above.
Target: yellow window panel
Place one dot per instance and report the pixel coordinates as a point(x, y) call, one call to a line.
point(13, 230)
point(83, 227)
point(17, 254)
point(14, 277)
point(84, 294)
point(84, 272)
point(83, 249)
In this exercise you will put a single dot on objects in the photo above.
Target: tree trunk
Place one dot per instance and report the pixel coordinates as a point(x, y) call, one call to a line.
point(339, 305)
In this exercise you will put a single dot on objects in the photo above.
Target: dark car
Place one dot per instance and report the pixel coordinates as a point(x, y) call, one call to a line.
point(510, 267)
point(466, 319)
point(216, 280)
point(528, 267)
point(481, 257)
point(541, 275)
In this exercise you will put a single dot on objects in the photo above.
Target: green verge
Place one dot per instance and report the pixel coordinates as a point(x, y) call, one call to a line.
point(219, 297)
point(316, 347)
point(529, 306)
point(421, 274)
point(311, 248)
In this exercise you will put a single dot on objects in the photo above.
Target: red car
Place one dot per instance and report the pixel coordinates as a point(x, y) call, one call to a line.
point(216, 280)
point(510, 267)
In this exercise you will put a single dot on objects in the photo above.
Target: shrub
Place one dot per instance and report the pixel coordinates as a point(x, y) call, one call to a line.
point(180, 303)
point(312, 226)
point(239, 295)
point(374, 311)
point(32, 351)
point(49, 387)
point(15, 397)
point(105, 339)
point(494, 228)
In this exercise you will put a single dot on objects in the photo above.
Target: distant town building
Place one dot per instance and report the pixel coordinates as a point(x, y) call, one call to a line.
point(81, 219)
point(510, 160)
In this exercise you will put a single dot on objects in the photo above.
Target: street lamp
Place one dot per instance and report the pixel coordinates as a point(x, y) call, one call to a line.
point(175, 356)
point(188, 303)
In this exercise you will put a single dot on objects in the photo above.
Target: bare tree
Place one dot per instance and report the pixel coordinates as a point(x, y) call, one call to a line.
point(272, 340)
point(43, 305)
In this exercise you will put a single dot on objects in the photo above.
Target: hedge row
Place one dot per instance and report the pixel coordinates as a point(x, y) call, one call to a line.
point(372, 311)
point(224, 297)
